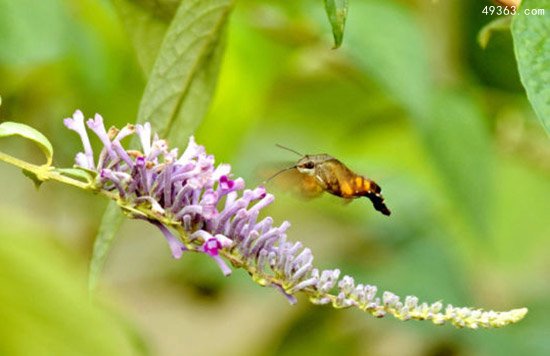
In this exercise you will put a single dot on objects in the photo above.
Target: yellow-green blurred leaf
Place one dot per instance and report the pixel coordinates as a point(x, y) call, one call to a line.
point(44, 307)
point(459, 144)
point(387, 44)
point(500, 24)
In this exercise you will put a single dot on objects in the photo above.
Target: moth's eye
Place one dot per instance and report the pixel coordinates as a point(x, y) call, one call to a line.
point(309, 165)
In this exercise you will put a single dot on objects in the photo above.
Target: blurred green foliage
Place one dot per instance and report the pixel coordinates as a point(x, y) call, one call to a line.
point(409, 100)
point(44, 309)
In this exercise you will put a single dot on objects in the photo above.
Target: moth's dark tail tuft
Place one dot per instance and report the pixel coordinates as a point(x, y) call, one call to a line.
point(373, 192)
point(378, 202)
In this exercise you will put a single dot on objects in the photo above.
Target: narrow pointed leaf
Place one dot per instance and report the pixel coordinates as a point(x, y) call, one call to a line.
point(182, 62)
point(196, 103)
point(110, 223)
point(337, 12)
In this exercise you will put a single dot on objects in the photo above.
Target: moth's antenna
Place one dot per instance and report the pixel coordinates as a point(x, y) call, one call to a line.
point(276, 174)
point(289, 149)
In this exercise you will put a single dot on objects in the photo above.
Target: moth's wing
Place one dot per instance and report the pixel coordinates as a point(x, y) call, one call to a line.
point(301, 185)
point(270, 171)
point(346, 201)
point(309, 187)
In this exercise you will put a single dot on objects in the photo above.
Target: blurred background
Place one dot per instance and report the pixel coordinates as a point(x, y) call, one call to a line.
point(410, 100)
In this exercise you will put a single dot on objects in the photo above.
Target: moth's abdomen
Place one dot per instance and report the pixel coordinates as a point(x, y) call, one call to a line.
point(363, 187)
point(341, 181)
point(336, 188)
point(370, 186)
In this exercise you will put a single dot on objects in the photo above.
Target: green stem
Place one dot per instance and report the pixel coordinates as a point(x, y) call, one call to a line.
point(43, 172)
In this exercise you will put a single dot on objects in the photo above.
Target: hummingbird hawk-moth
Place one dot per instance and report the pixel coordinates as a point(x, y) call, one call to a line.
point(324, 173)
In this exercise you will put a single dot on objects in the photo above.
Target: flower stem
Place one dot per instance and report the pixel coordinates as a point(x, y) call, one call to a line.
point(43, 172)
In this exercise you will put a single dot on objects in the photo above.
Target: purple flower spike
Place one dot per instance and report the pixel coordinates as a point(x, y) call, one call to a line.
point(214, 215)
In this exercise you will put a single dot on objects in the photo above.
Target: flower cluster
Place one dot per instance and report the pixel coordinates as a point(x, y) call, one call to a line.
point(211, 213)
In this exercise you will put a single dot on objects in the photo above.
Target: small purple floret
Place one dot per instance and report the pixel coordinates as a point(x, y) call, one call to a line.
point(76, 123)
point(291, 299)
point(226, 183)
point(176, 246)
point(211, 248)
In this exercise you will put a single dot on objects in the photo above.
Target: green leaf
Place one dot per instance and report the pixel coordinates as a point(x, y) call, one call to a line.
point(337, 11)
point(532, 48)
point(13, 128)
point(110, 223)
point(188, 57)
point(386, 43)
point(499, 24)
point(199, 96)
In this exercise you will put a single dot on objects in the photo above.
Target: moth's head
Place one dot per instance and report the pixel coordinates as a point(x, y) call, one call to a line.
point(306, 165)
